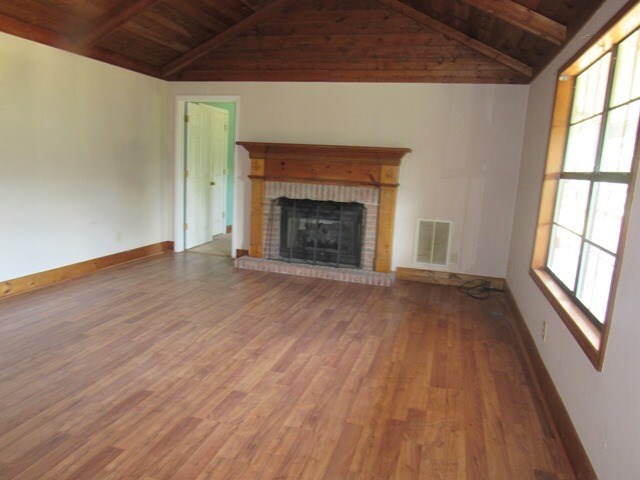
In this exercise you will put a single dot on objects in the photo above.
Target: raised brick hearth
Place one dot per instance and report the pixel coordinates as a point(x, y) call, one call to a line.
point(318, 271)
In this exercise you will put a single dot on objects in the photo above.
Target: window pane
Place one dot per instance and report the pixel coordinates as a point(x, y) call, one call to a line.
point(607, 210)
point(626, 83)
point(590, 90)
point(595, 280)
point(571, 205)
point(582, 146)
point(620, 138)
point(564, 252)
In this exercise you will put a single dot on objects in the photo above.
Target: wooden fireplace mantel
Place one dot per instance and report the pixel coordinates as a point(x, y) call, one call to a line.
point(375, 167)
point(336, 153)
point(333, 164)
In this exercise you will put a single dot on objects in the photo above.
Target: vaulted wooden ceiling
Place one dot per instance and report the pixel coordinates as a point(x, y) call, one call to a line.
point(464, 41)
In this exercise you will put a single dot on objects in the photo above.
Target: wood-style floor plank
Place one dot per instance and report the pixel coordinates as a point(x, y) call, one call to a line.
point(181, 367)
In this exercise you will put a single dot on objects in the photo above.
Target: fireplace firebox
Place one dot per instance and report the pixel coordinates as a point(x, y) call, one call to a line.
point(321, 232)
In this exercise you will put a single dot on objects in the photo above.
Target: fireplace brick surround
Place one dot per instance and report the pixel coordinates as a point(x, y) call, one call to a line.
point(313, 191)
point(368, 175)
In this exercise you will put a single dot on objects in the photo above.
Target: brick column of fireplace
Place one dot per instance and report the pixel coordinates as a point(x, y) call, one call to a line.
point(373, 167)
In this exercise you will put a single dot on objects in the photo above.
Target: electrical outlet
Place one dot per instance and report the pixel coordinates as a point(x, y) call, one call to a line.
point(453, 257)
point(544, 331)
point(118, 236)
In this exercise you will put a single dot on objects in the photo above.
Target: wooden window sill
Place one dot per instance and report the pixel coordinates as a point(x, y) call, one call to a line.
point(588, 336)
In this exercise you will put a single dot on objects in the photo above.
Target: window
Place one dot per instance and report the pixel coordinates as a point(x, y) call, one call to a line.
point(589, 174)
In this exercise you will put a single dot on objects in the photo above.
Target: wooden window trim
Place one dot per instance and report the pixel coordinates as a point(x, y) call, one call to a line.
point(591, 339)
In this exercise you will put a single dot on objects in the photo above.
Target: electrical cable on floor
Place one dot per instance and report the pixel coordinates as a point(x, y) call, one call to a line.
point(478, 288)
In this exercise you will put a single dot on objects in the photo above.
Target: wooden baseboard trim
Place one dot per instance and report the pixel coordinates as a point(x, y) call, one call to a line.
point(565, 428)
point(42, 279)
point(241, 252)
point(443, 278)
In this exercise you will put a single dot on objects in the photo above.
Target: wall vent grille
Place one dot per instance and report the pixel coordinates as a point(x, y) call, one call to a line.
point(432, 242)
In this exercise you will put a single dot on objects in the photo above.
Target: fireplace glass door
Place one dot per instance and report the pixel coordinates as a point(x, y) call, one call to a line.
point(321, 232)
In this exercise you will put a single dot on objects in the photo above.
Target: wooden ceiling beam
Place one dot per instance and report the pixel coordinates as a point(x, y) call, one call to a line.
point(523, 18)
point(29, 31)
point(112, 20)
point(354, 75)
point(122, 61)
point(458, 36)
point(38, 34)
point(223, 37)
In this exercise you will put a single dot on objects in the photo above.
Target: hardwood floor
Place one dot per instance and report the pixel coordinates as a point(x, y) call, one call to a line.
point(220, 245)
point(181, 367)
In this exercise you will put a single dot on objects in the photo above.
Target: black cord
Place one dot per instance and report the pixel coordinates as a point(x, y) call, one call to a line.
point(478, 288)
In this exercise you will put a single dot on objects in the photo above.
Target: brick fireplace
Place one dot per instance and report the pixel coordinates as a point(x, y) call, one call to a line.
point(365, 176)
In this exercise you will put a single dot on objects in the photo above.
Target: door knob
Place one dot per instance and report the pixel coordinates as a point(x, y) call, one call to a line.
point(212, 183)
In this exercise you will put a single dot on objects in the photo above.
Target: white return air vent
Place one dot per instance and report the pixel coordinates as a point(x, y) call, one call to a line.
point(432, 242)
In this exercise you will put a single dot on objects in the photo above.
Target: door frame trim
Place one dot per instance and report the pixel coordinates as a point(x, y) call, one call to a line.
point(178, 167)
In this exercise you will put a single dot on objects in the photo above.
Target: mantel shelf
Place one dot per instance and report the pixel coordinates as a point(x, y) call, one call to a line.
point(332, 153)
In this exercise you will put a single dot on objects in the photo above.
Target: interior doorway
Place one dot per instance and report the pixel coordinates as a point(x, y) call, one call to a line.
point(209, 132)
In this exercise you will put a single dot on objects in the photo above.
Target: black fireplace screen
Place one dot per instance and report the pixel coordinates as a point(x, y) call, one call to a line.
point(321, 232)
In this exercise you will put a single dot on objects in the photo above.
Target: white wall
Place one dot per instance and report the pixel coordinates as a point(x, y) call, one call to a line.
point(603, 406)
point(466, 142)
point(83, 155)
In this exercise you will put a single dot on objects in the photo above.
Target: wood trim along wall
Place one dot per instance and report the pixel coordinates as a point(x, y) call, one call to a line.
point(443, 278)
point(42, 279)
point(567, 432)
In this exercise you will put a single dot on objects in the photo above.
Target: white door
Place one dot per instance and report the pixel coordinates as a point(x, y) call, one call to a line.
point(218, 170)
point(205, 159)
point(198, 173)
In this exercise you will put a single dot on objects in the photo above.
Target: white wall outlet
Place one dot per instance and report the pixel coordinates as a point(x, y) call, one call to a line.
point(543, 333)
point(453, 257)
point(118, 236)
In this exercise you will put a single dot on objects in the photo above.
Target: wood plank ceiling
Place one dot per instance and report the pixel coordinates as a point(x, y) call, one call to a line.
point(462, 41)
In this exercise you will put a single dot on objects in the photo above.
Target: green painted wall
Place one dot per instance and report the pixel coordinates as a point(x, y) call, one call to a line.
point(231, 153)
